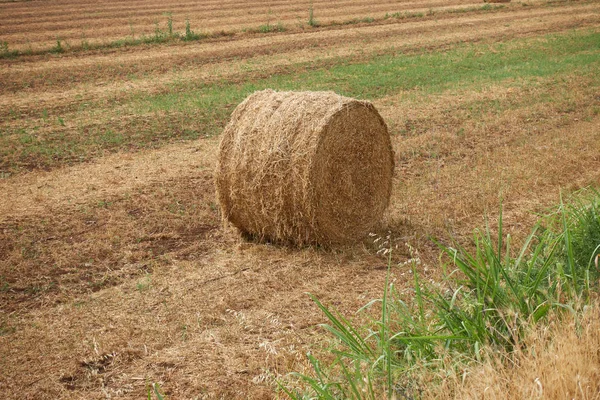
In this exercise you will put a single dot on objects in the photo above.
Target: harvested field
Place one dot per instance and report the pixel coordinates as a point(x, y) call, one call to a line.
point(37, 25)
point(115, 271)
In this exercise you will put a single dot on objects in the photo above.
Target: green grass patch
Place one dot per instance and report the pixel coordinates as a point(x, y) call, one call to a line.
point(471, 65)
point(312, 22)
point(353, 21)
point(5, 52)
point(267, 28)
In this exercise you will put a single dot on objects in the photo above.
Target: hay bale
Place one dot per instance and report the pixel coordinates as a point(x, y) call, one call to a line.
point(304, 167)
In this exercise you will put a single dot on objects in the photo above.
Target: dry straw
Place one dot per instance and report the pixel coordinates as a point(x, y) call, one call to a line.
point(304, 167)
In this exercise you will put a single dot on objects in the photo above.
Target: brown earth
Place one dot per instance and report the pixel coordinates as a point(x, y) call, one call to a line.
point(117, 273)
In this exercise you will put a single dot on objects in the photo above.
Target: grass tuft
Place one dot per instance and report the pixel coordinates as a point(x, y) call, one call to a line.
point(58, 48)
point(268, 28)
point(5, 52)
point(189, 34)
point(155, 390)
point(312, 22)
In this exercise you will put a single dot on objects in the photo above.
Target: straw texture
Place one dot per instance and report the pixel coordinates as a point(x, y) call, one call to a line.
point(304, 167)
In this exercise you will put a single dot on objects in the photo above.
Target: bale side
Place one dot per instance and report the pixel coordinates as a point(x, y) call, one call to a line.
point(282, 156)
point(352, 173)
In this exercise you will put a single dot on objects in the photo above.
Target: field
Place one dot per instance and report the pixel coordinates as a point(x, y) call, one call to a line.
point(115, 269)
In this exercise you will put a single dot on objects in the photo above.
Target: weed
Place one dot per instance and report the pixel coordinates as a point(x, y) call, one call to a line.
point(144, 284)
point(5, 52)
point(189, 34)
point(26, 139)
point(268, 28)
point(366, 20)
point(170, 24)
point(184, 332)
point(159, 35)
point(311, 16)
point(131, 30)
point(406, 15)
point(104, 204)
point(58, 48)
point(79, 304)
point(176, 208)
point(111, 138)
point(155, 389)
point(580, 223)
point(188, 30)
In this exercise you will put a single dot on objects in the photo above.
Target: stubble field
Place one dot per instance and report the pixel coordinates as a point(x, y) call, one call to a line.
point(115, 270)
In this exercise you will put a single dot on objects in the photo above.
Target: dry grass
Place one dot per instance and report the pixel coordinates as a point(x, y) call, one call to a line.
point(226, 322)
point(92, 24)
point(56, 256)
point(460, 164)
point(113, 312)
point(559, 361)
point(304, 167)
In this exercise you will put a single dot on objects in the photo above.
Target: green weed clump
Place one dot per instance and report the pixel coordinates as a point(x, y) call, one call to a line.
point(5, 52)
point(580, 245)
point(364, 20)
point(170, 24)
point(268, 28)
point(58, 48)
point(491, 296)
point(189, 34)
point(311, 16)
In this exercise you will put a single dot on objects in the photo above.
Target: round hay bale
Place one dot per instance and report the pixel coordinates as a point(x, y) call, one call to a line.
point(304, 167)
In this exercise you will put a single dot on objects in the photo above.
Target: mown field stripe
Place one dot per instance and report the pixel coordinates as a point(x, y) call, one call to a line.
point(189, 114)
point(107, 36)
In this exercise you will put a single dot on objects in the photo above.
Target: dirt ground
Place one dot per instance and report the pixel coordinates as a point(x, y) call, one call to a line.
point(116, 272)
